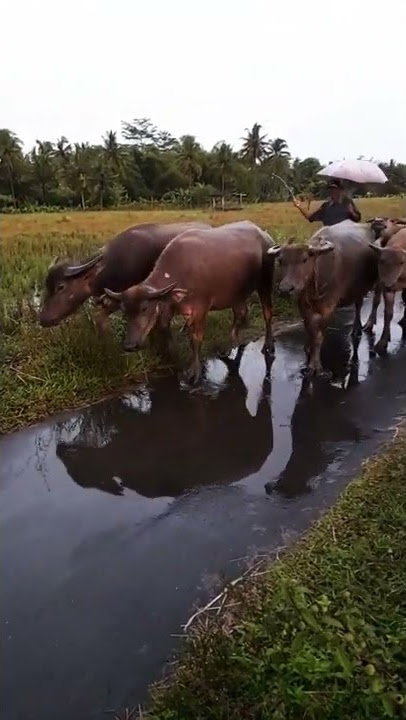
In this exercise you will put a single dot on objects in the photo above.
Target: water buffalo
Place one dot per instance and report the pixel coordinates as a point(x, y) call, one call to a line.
point(392, 277)
point(383, 229)
point(126, 260)
point(336, 268)
point(116, 446)
point(199, 271)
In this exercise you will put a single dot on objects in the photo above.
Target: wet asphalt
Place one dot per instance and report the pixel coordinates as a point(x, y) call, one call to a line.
point(118, 520)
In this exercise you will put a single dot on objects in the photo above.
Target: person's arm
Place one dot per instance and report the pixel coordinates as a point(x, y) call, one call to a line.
point(353, 211)
point(311, 217)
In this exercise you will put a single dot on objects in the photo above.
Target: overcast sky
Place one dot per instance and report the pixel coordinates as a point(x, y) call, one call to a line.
point(329, 77)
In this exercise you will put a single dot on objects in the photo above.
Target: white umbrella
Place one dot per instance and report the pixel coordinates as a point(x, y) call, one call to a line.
point(358, 171)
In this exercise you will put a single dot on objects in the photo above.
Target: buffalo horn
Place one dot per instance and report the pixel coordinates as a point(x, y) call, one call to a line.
point(151, 293)
point(54, 261)
point(73, 270)
point(275, 250)
point(113, 295)
point(325, 246)
point(375, 246)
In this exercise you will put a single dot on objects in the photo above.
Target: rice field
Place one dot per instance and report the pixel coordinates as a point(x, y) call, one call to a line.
point(47, 370)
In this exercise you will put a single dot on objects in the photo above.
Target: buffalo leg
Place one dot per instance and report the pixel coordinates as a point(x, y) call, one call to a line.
point(318, 323)
point(357, 326)
point(402, 321)
point(371, 322)
point(196, 339)
point(240, 313)
point(389, 300)
point(267, 311)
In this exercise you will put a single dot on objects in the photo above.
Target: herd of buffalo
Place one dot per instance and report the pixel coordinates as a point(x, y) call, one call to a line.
point(153, 271)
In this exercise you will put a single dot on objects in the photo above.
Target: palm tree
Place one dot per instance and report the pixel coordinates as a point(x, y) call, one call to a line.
point(42, 156)
point(254, 147)
point(10, 157)
point(224, 159)
point(112, 149)
point(278, 148)
point(189, 157)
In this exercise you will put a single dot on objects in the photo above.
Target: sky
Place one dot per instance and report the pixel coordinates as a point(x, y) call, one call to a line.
point(329, 77)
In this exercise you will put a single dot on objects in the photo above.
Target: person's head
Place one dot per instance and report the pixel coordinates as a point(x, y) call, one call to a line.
point(335, 188)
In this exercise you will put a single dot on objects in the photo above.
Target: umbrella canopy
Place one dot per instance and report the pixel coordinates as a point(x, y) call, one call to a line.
point(358, 171)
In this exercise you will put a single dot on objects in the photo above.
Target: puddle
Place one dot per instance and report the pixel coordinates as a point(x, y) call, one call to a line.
point(118, 519)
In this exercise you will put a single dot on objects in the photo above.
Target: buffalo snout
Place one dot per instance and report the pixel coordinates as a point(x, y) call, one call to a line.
point(286, 288)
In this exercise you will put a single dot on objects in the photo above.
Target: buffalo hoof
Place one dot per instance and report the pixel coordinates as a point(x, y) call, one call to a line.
point(402, 323)
point(356, 331)
point(308, 371)
point(193, 376)
point(381, 348)
point(268, 350)
point(369, 327)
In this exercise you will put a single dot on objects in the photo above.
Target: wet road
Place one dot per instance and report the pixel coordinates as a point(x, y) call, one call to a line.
point(117, 520)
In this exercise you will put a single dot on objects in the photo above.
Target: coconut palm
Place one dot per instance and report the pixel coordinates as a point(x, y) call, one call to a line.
point(10, 158)
point(224, 160)
point(189, 158)
point(278, 148)
point(254, 147)
point(42, 158)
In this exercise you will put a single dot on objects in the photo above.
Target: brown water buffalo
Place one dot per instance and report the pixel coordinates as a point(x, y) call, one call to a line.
point(383, 229)
point(126, 260)
point(336, 268)
point(199, 271)
point(392, 278)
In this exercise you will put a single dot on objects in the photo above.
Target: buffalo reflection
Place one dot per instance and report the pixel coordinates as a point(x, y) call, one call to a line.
point(177, 442)
point(320, 419)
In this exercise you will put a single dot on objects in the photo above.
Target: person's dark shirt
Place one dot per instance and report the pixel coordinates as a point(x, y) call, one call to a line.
point(331, 213)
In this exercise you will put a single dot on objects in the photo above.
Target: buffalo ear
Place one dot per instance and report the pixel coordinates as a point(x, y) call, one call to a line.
point(179, 294)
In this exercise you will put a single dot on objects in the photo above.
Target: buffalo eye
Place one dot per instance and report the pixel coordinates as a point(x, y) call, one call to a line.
point(60, 287)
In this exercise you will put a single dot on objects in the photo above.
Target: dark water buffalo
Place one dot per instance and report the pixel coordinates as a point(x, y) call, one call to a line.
point(392, 278)
point(159, 452)
point(126, 260)
point(336, 268)
point(199, 271)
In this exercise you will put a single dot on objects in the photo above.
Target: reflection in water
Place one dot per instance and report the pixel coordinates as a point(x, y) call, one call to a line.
point(320, 419)
point(189, 439)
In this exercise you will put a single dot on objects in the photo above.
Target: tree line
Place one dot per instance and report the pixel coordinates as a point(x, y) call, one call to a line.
point(151, 166)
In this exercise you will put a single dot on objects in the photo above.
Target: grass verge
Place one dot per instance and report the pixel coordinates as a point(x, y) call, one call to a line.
point(321, 634)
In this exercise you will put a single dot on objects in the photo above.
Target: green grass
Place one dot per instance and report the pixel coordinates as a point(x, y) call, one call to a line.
point(321, 635)
point(48, 370)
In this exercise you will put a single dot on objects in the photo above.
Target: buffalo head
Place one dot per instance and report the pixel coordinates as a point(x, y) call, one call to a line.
point(297, 264)
point(391, 264)
point(142, 305)
point(66, 288)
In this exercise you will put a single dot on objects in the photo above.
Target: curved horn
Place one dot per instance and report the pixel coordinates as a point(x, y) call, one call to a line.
point(54, 262)
point(113, 295)
point(275, 250)
point(375, 247)
point(324, 247)
point(73, 270)
point(152, 293)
